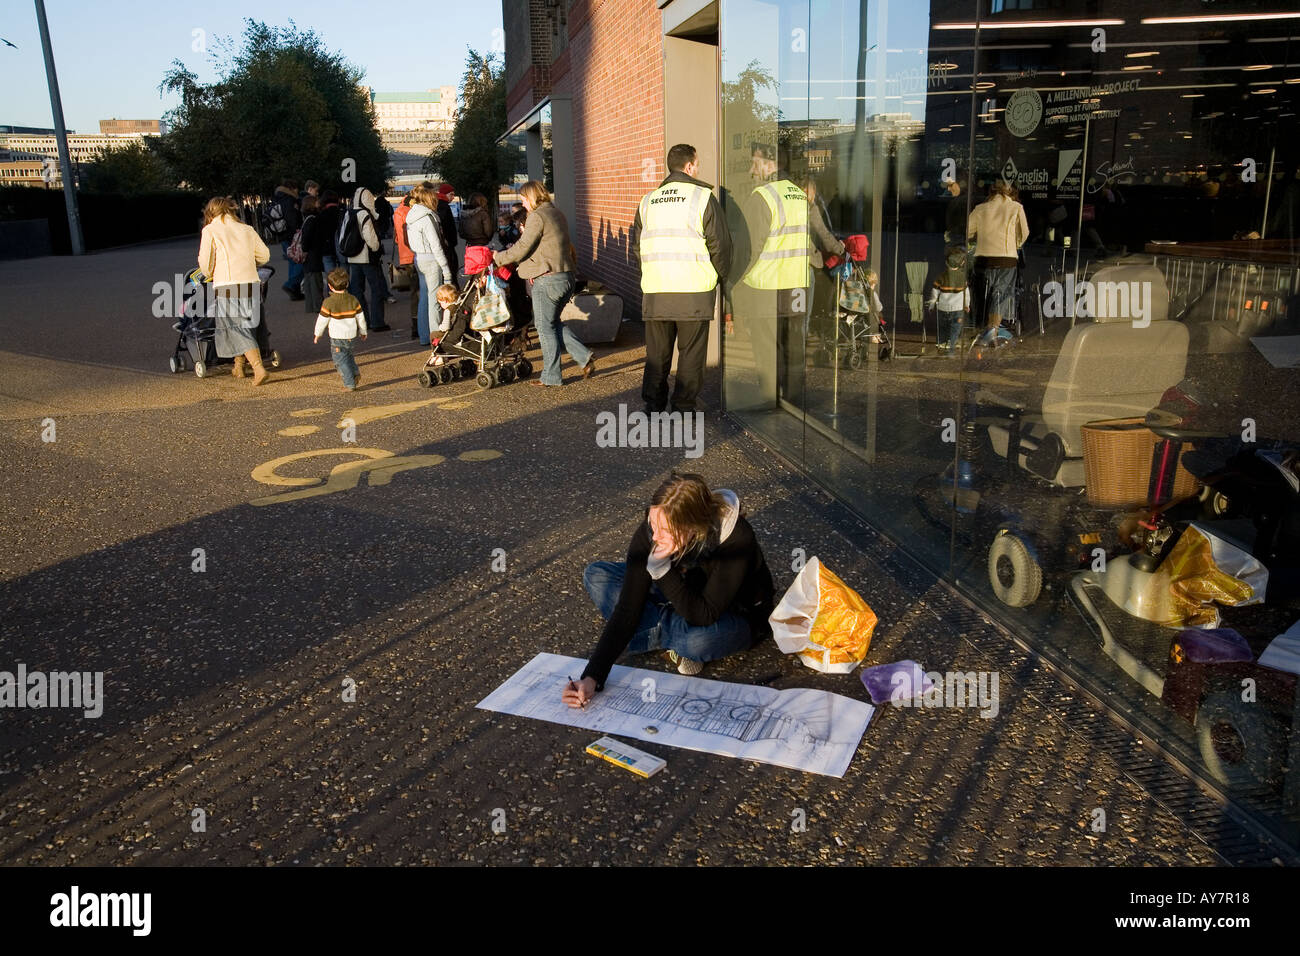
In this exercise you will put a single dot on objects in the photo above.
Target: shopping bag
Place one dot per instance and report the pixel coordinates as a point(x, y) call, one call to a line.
point(399, 277)
point(823, 620)
point(854, 296)
point(1206, 570)
point(490, 312)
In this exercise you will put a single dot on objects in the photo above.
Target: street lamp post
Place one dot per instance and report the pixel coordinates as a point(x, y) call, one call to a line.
point(61, 135)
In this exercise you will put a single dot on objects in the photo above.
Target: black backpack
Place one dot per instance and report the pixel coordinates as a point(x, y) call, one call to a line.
point(278, 225)
point(349, 241)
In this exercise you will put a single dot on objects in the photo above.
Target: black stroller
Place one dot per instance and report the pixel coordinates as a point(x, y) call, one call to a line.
point(487, 345)
point(196, 327)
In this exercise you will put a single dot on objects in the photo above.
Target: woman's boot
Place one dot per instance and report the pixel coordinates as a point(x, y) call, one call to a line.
point(238, 370)
point(260, 374)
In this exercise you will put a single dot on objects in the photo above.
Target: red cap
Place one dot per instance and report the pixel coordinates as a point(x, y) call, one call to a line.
point(445, 192)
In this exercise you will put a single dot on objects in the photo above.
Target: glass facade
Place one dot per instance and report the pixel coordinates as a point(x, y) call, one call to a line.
point(1063, 370)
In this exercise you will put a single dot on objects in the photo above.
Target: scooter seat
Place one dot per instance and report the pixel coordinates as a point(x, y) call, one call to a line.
point(1041, 452)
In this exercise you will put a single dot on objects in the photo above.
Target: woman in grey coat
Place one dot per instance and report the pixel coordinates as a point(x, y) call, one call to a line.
point(424, 236)
point(545, 258)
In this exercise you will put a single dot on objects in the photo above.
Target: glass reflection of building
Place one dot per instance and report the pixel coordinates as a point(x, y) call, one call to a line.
point(1149, 143)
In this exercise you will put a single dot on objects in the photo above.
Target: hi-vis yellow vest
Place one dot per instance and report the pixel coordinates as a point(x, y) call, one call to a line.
point(783, 261)
point(674, 257)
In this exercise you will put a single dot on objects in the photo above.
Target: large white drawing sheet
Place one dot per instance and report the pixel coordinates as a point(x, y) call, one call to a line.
point(811, 730)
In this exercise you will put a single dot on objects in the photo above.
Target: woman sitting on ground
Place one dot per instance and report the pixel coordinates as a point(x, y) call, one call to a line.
point(695, 584)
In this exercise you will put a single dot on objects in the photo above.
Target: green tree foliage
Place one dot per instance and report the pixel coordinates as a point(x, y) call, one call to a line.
point(283, 106)
point(473, 162)
point(128, 170)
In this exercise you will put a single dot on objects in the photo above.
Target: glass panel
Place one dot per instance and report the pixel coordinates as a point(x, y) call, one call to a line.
point(1081, 221)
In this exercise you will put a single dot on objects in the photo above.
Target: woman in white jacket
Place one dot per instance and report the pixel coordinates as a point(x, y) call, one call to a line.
point(424, 236)
point(999, 228)
point(229, 254)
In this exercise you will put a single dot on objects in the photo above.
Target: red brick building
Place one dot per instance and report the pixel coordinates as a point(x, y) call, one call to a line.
point(586, 105)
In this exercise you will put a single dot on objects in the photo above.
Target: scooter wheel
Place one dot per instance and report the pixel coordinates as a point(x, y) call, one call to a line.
point(855, 359)
point(1014, 573)
point(1242, 746)
point(200, 369)
point(175, 364)
point(425, 380)
point(525, 368)
point(484, 380)
point(275, 359)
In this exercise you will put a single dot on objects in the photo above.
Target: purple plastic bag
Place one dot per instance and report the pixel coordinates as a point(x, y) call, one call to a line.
point(903, 680)
point(1220, 645)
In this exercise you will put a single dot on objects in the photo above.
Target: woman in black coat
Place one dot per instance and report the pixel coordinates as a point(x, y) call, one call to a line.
point(695, 584)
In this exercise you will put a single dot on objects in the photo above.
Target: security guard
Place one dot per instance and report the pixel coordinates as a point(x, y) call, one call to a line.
point(778, 280)
point(684, 248)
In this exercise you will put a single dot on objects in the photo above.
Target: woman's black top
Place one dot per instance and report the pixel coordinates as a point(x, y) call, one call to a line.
point(730, 576)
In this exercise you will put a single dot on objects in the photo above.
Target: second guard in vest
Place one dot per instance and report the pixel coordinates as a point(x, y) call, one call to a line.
point(684, 247)
point(774, 295)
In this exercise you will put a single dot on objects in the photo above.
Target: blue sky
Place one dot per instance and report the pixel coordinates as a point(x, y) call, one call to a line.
point(111, 54)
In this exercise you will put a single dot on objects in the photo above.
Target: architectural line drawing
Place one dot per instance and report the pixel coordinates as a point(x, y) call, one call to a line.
point(803, 729)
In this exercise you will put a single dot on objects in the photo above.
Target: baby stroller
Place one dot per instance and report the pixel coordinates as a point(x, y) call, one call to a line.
point(858, 319)
point(483, 340)
point(196, 327)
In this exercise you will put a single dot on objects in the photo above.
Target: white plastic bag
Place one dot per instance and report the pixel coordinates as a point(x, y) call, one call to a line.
point(823, 620)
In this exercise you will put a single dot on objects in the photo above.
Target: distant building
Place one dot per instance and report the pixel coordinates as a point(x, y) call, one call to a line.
point(412, 125)
point(432, 110)
point(119, 127)
point(26, 172)
point(82, 147)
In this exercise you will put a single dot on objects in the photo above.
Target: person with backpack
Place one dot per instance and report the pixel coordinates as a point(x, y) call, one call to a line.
point(285, 221)
point(358, 241)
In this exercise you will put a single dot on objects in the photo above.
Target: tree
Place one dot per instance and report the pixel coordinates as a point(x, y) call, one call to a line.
point(283, 106)
point(474, 161)
point(127, 170)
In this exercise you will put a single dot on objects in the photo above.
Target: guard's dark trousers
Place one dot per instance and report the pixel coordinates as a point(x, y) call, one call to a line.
point(692, 341)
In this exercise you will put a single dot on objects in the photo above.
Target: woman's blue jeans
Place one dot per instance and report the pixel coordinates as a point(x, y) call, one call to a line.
point(661, 628)
point(549, 294)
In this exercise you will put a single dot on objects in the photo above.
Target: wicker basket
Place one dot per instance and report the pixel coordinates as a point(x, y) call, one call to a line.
point(1117, 462)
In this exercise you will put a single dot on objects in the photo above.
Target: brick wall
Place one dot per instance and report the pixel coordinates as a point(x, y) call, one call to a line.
point(613, 68)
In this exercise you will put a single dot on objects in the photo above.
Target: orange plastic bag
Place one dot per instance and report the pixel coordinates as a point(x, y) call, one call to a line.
point(824, 621)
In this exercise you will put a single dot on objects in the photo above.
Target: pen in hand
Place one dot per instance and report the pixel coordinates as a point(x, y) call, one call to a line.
point(581, 703)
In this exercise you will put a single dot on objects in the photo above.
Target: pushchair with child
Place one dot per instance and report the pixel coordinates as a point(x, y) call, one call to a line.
point(196, 323)
point(858, 320)
point(484, 339)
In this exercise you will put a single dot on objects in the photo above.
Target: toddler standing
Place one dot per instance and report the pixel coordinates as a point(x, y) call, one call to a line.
point(950, 297)
point(341, 313)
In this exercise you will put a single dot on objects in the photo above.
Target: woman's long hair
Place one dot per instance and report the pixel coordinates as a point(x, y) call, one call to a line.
point(535, 192)
point(219, 206)
point(690, 508)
